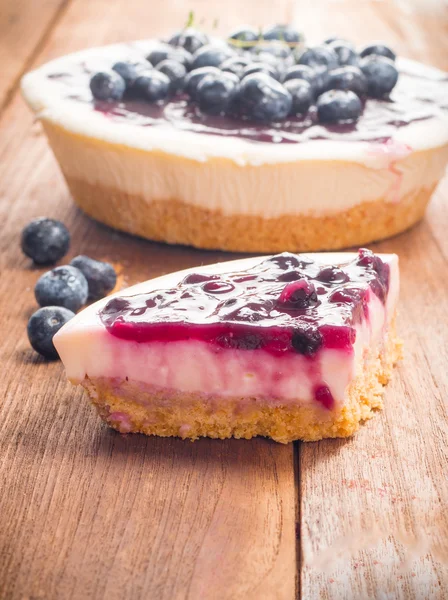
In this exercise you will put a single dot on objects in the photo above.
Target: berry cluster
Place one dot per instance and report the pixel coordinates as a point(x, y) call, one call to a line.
point(262, 77)
point(65, 289)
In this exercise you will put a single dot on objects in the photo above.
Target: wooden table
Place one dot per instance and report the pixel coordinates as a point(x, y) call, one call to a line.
point(88, 513)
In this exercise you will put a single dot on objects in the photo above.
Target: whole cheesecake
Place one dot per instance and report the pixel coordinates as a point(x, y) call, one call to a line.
point(171, 167)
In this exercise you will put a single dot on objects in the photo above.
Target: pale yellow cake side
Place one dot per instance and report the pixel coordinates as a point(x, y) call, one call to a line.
point(128, 407)
point(218, 204)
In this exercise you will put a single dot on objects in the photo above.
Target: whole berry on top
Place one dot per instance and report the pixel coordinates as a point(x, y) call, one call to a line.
point(216, 75)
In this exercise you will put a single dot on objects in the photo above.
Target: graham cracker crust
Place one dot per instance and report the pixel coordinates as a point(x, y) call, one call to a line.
point(175, 222)
point(134, 407)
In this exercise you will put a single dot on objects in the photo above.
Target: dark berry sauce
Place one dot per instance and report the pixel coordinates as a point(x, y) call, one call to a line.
point(418, 96)
point(274, 306)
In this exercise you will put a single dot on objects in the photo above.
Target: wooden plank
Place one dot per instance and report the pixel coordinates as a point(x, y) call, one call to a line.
point(373, 509)
point(89, 513)
point(24, 25)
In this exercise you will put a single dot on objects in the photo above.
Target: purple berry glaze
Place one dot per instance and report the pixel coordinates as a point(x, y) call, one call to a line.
point(274, 306)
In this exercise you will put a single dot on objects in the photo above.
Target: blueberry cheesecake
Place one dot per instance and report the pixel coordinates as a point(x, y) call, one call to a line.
point(291, 346)
point(254, 142)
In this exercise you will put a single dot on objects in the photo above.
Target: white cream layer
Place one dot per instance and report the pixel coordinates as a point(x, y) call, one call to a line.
point(48, 99)
point(87, 349)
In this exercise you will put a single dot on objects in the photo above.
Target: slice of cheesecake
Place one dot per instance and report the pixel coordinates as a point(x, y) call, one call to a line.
point(289, 347)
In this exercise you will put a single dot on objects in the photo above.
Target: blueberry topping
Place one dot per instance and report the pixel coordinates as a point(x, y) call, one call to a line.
point(346, 54)
point(332, 275)
point(160, 52)
point(127, 71)
point(284, 33)
point(215, 93)
point(301, 94)
point(101, 276)
point(277, 49)
point(319, 57)
point(348, 78)
point(63, 286)
point(323, 395)
point(235, 65)
point(338, 105)
point(245, 36)
point(211, 56)
point(297, 295)
point(264, 99)
point(151, 85)
point(306, 340)
point(108, 86)
point(190, 39)
point(195, 278)
point(381, 74)
point(45, 241)
point(378, 50)
point(241, 342)
point(258, 67)
point(165, 51)
point(193, 79)
point(175, 71)
point(42, 327)
point(300, 72)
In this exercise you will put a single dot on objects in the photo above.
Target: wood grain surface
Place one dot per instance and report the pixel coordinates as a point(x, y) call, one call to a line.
point(87, 513)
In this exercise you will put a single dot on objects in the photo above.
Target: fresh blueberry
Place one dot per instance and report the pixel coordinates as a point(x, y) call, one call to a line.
point(152, 86)
point(128, 71)
point(158, 53)
point(211, 56)
point(245, 37)
point(164, 51)
point(215, 93)
point(45, 241)
point(108, 86)
point(319, 57)
point(338, 105)
point(42, 327)
point(190, 39)
point(306, 340)
point(193, 79)
point(101, 276)
point(264, 99)
point(235, 65)
point(278, 49)
point(300, 72)
point(346, 53)
point(63, 286)
point(381, 75)
point(258, 67)
point(302, 95)
point(348, 78)
point(175, 71)
point(284, 33)
point(378, 50)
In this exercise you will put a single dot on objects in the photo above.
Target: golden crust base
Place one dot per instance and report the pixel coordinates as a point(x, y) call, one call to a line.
point(129, 407)
point(179, 223)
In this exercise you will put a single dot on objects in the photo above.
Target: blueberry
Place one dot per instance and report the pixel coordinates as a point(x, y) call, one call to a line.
point(245, 37)
point(215, 93)
point(190, 39)
point(348, 78)
point(381, 75)
point(319, 57)
point(264, 99)
point(45, 241)
point(347, 55)
point(284, 33)
point(43, 325)
point(175, 71)
point(128, 71)
point(211, 56)
point(306, 340)
point(165, 51)
point(278, 49)
point(193, 79)
point(63, 286)
point(302, 95)
point(378, 50)
point(333, 38)
point(108, 86)
point(151, 85)
point(235, 65)
point(158, 53)
point(101, 276)
point(338, 105)
point(258, 67)
point(297, 295)
point(300, 72)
